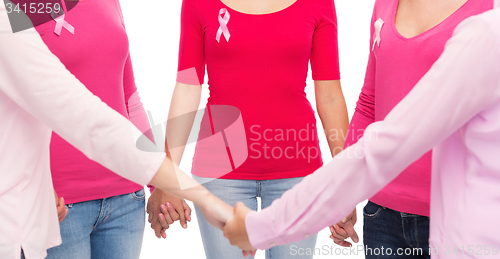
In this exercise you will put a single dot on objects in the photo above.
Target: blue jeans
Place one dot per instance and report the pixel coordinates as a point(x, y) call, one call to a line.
point(231, 191)
point(110, 228)
point(392, 234)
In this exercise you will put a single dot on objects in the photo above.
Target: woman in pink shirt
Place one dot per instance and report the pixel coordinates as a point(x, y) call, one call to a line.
point(257, 55)
point(105, 211)
point(407, 37)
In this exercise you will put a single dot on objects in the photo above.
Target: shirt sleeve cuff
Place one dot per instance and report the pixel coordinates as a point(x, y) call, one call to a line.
point(261, 230)
point(325, 76)
point(189, 77)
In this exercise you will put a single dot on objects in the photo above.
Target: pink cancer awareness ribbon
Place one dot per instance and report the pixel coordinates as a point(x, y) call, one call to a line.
point(378, 28)
point(60, 23)
point(223, 25)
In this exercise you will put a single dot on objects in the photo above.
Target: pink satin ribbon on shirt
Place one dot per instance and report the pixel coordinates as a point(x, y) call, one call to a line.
point(378, 29)
point(60, 23)
point(223, 25)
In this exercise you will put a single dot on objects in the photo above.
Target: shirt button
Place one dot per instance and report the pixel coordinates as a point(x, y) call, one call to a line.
point(273, 244)
point(307, 235)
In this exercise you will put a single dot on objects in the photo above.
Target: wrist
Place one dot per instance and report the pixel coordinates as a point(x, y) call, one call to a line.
point(204, 198)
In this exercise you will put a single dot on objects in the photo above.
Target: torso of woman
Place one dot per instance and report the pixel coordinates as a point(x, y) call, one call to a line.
point(261, 69)
point(408, 36)
point(98, 55)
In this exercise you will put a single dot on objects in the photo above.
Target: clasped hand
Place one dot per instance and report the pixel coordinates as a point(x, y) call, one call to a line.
point(231, 221)
point(164, 209)
point(236, 232)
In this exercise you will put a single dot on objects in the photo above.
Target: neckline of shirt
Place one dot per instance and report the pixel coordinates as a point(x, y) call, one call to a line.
point(257, 14)
point(395, 30)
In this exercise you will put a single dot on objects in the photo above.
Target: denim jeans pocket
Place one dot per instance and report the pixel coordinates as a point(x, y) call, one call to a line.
point(372, 210)
point(139, 195)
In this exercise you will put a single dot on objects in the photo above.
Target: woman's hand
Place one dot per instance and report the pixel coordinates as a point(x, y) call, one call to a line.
point(236, 231)
point(61, 207)
point(345, 229)
point(163, 209)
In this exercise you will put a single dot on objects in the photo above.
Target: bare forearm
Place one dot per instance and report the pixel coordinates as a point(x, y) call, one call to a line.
point(182, 112)
point(332, 111)
point(181, 116)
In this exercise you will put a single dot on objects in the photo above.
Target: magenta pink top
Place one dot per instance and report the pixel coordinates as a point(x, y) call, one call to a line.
point(98, 55)
point(395, 65)
point(259, 64)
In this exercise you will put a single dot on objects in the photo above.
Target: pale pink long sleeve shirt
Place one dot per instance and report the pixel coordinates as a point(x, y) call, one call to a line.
point(454, 110)
point(37, 95)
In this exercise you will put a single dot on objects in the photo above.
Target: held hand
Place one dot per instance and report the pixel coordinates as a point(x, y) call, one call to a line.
point(172, 211)
point(163, 209)
point(344, 230)
point(61, 207)
point(236, 232)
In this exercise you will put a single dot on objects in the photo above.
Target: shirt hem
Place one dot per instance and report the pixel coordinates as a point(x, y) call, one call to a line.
point(103, 195)
point(250, 176)
point(402, 204)
point(322, 77)
point(43, 255)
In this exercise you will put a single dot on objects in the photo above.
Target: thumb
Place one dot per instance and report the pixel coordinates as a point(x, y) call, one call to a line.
point(240, 207)
point(349, 228)
point(187, 210)
point(182, 218)
point(241, 211)
point(56, 197)
point(60, 202)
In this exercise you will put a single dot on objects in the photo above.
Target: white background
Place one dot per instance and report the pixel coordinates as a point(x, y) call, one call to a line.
point(153, 29)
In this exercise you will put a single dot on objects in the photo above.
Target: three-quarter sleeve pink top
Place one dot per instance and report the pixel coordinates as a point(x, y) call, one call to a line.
point(258, 63)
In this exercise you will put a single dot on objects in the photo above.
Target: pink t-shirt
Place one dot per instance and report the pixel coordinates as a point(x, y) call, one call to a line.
point(395, 65)
point(98, 55)
point(261, 69)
